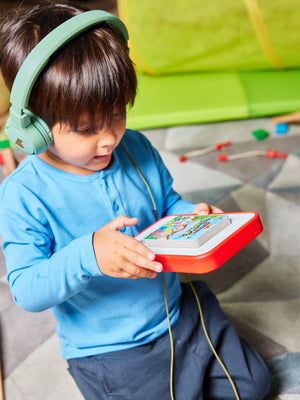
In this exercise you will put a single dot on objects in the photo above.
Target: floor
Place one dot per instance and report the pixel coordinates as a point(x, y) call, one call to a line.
point(258, 288)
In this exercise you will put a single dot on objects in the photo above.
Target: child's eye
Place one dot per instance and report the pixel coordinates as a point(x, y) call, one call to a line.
point(83, 132)
point(119, 116)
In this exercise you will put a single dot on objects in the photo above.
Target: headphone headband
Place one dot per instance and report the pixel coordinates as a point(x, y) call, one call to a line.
point(27, 131)
point(40, 54)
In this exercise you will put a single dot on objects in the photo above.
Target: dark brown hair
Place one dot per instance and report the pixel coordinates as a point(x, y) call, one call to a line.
point(92, 75)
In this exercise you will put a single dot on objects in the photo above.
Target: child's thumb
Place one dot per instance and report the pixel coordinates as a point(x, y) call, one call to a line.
point(118, 223)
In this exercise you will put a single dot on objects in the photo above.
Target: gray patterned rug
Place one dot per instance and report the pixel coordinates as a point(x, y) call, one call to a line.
point(258, 288)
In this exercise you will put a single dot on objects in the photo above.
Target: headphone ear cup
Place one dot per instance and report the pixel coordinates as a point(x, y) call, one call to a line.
point(33, 139)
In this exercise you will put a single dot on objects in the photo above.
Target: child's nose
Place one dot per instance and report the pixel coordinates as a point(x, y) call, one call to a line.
point(107, 138)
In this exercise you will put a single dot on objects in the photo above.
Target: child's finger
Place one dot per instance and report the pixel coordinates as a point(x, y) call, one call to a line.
point(216, 210)
point(205, 209)
point(130, 270)
point(138, 260)
point(118, 223)
point(134, 245)
point(138, 254)
point(202, 209)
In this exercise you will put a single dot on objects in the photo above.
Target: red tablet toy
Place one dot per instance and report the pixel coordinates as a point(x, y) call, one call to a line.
point(200, 243)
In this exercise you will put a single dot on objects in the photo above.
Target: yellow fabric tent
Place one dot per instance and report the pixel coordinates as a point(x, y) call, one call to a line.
point(200, 61)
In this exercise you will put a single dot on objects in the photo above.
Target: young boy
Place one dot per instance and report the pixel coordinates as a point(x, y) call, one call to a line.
point(68, 217)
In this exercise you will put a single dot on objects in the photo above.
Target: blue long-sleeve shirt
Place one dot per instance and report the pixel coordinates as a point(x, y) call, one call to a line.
point(47, 220)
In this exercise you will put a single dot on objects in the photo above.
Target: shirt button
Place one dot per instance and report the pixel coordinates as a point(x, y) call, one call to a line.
point(116, 207)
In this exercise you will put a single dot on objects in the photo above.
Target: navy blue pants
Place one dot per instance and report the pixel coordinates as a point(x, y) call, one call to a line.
point(143, 373)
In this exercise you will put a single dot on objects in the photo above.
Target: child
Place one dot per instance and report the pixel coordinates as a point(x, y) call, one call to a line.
point(68, 217)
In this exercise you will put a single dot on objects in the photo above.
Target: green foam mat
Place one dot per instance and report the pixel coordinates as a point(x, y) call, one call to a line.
point(192, 98)
point(271, 92)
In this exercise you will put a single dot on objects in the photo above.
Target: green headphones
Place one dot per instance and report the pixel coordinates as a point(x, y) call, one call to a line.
point(27, 131)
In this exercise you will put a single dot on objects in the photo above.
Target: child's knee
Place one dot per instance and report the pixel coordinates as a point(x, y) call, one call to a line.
point(257, 386)
point(260, 387)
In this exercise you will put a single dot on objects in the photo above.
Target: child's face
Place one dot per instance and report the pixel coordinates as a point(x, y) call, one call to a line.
point(84, 152)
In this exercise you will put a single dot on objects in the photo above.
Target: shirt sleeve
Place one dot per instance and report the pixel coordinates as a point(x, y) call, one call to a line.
point(40, 277)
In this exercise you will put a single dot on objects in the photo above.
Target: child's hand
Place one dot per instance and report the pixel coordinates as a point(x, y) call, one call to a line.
point(204, 209)
point(122, 256)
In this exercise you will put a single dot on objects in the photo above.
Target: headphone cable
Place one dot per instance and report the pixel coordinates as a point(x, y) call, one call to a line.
point(166, 301)
point(208, 338)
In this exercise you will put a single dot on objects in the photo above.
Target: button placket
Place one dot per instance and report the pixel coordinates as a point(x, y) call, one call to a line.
point(116, 206)
point(112, 195)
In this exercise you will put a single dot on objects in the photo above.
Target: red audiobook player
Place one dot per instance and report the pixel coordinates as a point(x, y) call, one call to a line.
point(199, 244)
